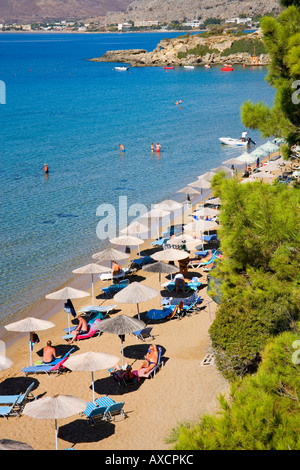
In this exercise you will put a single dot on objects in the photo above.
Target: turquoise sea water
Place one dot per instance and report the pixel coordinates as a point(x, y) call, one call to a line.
point(72, 114)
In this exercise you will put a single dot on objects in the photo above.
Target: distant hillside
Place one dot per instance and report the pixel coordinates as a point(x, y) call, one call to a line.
point(38, 10)
point(125, 10)
point(168, 10)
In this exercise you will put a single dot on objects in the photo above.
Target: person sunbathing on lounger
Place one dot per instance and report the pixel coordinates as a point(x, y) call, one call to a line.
point(49, 353)
point(125, 373)
point(81, 329)
point(116, 268)
point(150, 361)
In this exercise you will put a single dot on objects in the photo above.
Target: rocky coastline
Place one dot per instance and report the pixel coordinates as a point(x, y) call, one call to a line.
point(180, 51)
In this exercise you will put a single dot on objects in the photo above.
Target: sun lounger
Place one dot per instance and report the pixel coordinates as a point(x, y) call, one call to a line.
point(6, 411)
point(93, 331)
point(210, 238)
point(140, 262)
point(110, 291)
point(54, 368)
point(18, 400)
point(93, 309)
point(186, 301)
point(192, 285)
point(104, 408)
point(109, 276)
point(144, 333)
point(159, 365)
point(160, 242)
point(94, 317)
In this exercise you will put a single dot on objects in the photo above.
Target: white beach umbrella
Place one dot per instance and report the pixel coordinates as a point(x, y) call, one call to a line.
point(216, 201)
point(127, 240)
point(189, 191)
point(121, 325)
point(233, 161)
point(56, 407)
point(92, 269)
point(200, 184)
point(29, 325)
point(67, 293)
point(200, 226)
point(5, 363)
point(171, 254)
point(168, 205)
point(264, 175)
point(206, 211)
point(208, 176)
point(91, 361)
point(222, 168)
point(160, 268)
point(270, 147)
point(135, 228)
point(135, 293)
point(111, 254)
point(259, 152)
point(184, 239)
point(156, 214)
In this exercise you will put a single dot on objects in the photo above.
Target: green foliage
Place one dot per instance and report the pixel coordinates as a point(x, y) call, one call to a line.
point(281, 39)
point(263, 410)
point(200, 51)
point(245, 45)
point(260, 276)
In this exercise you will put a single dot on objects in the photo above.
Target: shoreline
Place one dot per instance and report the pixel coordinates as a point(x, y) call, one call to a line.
point(185, 342)
point(52, 308)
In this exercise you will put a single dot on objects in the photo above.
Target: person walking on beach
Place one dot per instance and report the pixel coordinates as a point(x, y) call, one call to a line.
point(49, 353)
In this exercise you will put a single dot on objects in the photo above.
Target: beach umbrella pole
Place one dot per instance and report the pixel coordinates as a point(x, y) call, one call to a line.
point(30, 349)
point(93, 388)
point(159, 289)
point(56, 442)
point(93, 300)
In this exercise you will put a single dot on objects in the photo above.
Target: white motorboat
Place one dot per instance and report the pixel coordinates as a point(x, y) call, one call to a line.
point(236, 142)
point(122, 69)
point(189, 66)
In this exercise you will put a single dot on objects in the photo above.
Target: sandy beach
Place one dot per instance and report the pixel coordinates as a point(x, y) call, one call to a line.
point(181, 391)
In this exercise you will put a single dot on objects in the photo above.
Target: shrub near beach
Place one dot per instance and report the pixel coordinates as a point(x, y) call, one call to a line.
point(260, 272)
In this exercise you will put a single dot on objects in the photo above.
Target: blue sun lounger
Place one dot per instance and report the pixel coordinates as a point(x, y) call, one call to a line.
point(53, 368)
point(19, 400)
point(111, 290)
point(6, 411)
point(103, 409)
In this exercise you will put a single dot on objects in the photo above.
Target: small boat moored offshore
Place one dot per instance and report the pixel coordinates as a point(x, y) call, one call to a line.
point(189, 66)
point(227, 68)
point(236, 142)
point(122, 69)
point(168, 68)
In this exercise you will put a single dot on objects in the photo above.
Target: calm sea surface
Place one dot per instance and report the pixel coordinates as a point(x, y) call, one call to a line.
point(72, 114)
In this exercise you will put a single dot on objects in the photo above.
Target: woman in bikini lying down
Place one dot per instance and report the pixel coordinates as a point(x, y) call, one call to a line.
point(150, 361)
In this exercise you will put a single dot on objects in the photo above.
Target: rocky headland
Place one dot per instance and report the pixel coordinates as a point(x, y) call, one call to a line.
point(189, 50)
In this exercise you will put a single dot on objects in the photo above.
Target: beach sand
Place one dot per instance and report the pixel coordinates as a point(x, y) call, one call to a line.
point(181, 391)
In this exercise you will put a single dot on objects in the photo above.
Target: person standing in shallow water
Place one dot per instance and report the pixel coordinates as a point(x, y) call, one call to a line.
point(46, 169)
